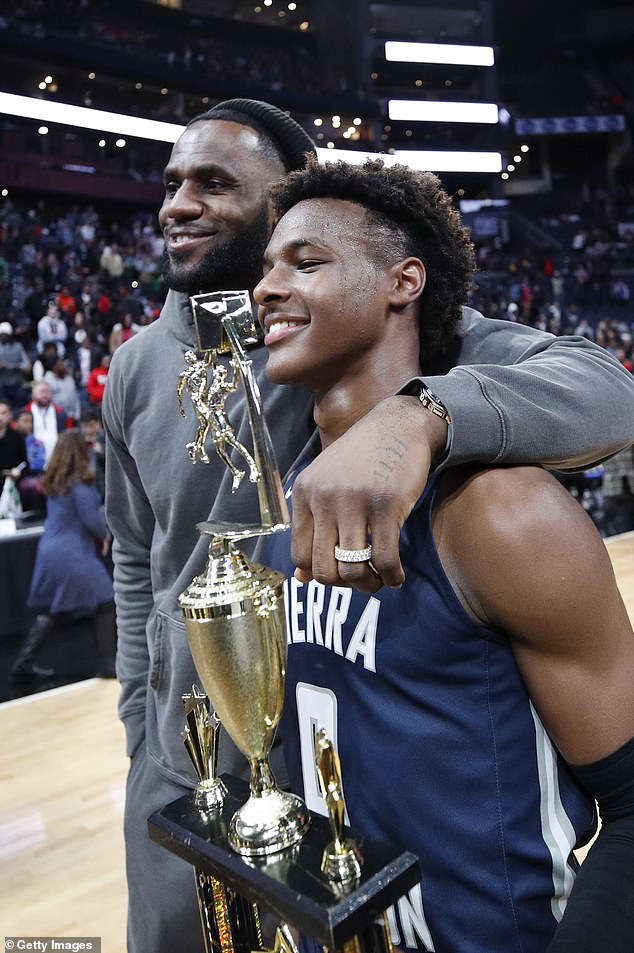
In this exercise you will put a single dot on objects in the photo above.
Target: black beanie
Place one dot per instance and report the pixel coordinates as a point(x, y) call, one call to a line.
point(286, 134)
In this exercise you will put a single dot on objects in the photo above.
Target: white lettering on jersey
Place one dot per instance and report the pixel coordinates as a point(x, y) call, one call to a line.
point(305, 611)
point(296, 608)
point(407, 918)
point(338, 606)
point(315, 594)
point(363, 641)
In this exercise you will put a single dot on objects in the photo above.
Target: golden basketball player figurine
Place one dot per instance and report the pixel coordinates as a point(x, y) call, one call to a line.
point(208, 400)
point(340, 862)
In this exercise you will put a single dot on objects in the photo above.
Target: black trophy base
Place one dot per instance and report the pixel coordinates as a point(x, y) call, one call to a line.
point(290, 883)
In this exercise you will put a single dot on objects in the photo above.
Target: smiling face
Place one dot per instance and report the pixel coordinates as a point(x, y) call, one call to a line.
point(214, 216)
point(325, 299)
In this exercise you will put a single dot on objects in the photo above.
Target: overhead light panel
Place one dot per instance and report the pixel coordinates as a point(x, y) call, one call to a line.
point(119, 124)
point(451, 54)
point(68, 115)
point(412, 110)
point(434, 160)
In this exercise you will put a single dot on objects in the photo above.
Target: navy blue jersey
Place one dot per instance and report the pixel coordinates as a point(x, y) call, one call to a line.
point(441, 750)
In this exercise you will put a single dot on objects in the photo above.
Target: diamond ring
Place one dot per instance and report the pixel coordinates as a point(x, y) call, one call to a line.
point(353, 555)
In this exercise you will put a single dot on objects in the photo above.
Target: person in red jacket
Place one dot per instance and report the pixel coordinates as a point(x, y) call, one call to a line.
point(97, 381)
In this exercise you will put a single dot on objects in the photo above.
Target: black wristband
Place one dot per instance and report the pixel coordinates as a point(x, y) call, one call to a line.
point(610, 781)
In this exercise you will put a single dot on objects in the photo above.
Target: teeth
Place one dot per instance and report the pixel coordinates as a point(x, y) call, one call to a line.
point(282, 325)
point(179, 239)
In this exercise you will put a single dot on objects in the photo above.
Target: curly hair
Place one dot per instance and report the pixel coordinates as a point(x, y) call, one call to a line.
point(408, 214)
point(69, 464)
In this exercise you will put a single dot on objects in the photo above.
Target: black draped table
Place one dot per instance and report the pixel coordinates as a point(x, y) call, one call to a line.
point(17, 559)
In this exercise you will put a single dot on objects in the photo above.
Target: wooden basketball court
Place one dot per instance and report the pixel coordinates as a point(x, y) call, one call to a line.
point(61, 804)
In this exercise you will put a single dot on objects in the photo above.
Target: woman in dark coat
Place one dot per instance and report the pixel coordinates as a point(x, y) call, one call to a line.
point(69, 580)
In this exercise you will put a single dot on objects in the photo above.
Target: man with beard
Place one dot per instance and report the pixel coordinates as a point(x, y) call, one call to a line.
point(215, 220)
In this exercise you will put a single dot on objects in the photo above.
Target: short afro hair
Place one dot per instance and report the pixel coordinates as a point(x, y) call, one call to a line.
point(408, 214)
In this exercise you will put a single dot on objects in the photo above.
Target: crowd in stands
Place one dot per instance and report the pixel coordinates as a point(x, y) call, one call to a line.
point(191, 45)
point(74, 286)
point(582, 283)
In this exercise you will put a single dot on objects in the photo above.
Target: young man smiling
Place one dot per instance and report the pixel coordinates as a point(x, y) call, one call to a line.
point(215, 222)
point(481, 708)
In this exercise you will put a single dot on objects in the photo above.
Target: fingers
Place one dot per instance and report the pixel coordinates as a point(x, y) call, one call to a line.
point(361, 488)
point(350, 523)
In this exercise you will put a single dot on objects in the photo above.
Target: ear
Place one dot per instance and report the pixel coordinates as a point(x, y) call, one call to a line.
point(408, 282)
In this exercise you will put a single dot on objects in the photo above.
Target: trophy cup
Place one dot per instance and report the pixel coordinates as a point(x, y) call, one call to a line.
point(234, 610)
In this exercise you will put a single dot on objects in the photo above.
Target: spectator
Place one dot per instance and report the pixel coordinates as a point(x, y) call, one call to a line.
point(64, 390)
point(585, 329)
point(122, 332)
point(70, 580)
point(14, 365)
point(621, 292)
point(45, 362)
point(111, 263)
point(85, 359)
point(52, 329)
point(618, 493)
point(30, 485)
point(92, 431)
point(97, 381)
point(49, 421)
point(67, 304)
point(12, 446)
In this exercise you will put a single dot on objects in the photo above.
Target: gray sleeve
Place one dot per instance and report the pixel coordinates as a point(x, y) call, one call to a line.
point(520, 395)
point(131, 523)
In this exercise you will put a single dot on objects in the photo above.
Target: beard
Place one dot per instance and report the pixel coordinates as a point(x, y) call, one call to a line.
point(235, 264)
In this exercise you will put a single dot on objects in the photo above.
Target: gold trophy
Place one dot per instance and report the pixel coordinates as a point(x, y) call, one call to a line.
point(265, 853)
point(234, 610)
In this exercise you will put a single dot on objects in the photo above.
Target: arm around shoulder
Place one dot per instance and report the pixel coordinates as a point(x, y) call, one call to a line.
point(519, 395)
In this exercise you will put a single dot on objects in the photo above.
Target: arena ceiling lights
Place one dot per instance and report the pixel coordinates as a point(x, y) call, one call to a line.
point(412, 110)
point(99, 119)
point(119, 124)
point(447, 53)
point(433, 160)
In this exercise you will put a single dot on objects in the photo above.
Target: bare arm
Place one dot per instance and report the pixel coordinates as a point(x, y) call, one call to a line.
point(524, 557)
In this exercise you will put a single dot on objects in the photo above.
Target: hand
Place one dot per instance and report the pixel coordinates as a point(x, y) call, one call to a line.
point(364, 486)
point(105, 544)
